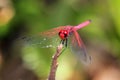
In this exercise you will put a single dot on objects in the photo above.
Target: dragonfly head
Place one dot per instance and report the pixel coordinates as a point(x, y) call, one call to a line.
point(63, 34)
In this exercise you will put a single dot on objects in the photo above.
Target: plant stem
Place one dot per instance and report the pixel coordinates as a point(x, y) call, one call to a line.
point(54, 64)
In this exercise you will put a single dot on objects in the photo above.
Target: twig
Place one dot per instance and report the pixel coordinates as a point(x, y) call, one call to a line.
point(54, 64)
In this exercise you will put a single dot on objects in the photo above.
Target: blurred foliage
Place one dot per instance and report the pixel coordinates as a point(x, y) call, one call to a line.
point(34, 16)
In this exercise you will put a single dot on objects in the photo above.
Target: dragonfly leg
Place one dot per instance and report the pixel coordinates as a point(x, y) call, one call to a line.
point(64, 48)
point(62, 42)
point(66, 42)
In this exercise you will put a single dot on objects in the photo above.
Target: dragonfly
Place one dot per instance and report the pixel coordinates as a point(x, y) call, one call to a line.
point(66, 35)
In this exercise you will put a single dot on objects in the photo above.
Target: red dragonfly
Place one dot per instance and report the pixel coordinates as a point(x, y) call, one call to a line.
point(67, 35)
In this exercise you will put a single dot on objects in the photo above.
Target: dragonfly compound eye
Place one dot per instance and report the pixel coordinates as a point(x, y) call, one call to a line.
point(63, 34)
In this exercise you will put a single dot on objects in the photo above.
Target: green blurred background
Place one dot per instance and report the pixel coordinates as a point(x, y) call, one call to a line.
point(28, 17)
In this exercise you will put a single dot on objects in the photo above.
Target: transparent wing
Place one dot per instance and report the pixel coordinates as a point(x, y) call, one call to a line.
point(40, 41)
point(51, 32)
point(79, 49)
point(45, 39)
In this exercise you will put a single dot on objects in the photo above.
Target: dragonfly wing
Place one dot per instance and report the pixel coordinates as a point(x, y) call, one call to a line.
point(40, 41)
point(79, 49)
point(44, 39)
point(51, 32)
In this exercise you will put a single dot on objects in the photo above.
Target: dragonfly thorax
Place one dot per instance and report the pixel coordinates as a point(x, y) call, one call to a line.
point(63, 34)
